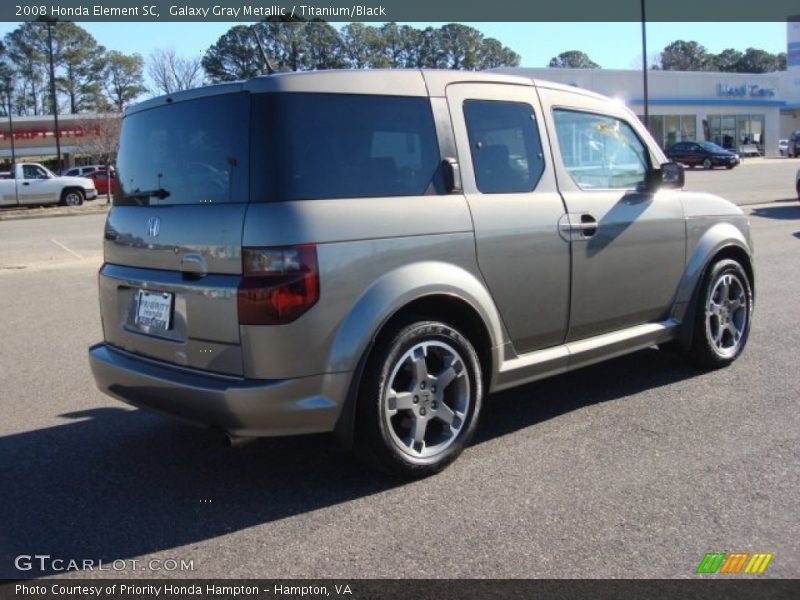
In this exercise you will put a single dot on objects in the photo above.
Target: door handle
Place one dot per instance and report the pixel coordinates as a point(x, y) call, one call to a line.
point(575, 226)
point(25, 183)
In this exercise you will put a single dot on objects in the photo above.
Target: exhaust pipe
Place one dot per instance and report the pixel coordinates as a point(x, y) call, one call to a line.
point(237, 441)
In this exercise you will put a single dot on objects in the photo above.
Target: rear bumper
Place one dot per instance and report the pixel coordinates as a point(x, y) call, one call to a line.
point(238, 406)
point(90, 194)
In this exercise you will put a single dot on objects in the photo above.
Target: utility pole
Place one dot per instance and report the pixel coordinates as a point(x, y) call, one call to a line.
point(11, 128)
point(53, 93)
point(644, 68)
point(10, 120)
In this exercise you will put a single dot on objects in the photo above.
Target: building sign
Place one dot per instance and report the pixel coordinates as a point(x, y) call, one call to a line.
point(793, 54)
point(31, 134)
point(739, 91)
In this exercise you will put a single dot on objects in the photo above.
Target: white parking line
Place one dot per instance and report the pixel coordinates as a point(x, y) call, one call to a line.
point(60, 245)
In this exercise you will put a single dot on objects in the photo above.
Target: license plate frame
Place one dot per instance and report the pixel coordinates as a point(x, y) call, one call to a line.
point(153, 311)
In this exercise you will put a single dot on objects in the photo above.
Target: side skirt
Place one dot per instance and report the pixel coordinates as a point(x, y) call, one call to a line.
point(574, 355)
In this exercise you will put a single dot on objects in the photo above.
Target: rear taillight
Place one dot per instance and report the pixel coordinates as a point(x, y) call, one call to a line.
point(278, 284)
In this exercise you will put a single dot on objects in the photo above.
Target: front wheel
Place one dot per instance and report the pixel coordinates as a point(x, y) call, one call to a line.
point(419, 400)
point(722, 321)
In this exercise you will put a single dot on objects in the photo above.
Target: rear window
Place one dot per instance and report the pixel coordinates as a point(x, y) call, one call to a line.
point(308, 146)
point(191, 152)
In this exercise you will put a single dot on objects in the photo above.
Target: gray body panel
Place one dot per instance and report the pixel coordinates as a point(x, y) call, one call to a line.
point(627, 272)
point(548, 299)
point(196, 256)
point(524, 260)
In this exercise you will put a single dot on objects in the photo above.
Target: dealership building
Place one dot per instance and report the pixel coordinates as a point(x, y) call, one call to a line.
point(34, 138)
point(729, 109)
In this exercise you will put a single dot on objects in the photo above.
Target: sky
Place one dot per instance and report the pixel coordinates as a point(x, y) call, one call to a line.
point(611, 45)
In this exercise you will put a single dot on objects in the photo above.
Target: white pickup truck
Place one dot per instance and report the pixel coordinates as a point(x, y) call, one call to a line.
point(32, 183)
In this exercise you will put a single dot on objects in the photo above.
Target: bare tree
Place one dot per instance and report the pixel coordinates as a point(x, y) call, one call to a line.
point(100, 140)
point(172, 73)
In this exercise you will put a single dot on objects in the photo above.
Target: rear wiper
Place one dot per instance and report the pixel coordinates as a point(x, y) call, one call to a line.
point(159, 193)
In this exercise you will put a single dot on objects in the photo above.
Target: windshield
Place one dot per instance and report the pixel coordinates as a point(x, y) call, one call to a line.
point(712, 147)
point(192, 152)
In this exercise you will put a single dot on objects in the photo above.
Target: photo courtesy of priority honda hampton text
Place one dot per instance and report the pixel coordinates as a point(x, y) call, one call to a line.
point(372, 252)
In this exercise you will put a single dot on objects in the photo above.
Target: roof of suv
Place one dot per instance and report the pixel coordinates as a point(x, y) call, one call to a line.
point(412, 82)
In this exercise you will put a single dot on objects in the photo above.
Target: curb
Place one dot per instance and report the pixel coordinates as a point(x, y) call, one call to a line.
point(59, 211)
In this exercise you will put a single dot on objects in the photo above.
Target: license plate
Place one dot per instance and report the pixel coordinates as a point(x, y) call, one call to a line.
point(153, 309)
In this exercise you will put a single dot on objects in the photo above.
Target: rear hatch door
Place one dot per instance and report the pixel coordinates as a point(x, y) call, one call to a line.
point(173, 237)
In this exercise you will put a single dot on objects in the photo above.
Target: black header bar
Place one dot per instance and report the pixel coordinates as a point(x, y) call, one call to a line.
point(249, 11)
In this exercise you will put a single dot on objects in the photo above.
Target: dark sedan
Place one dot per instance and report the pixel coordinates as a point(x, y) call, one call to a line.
point(705, 154)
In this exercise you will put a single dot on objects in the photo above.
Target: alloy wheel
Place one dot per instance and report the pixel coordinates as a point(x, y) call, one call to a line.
point(427, 399)
point(727, 315)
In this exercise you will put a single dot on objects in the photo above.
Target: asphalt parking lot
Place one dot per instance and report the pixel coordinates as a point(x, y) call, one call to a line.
point(632, 468)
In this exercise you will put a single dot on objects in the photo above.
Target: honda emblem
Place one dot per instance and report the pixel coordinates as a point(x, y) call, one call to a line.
point(153, 226)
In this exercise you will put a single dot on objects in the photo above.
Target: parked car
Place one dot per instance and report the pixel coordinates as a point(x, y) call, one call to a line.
point(81, 171)
point(797, 183)
point(783, 147)
point(705, 154)
point(102, 180)
point(793, 150)
point(32, 183)
point(391, 246)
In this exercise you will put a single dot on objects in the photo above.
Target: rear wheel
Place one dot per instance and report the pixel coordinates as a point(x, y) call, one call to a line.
point(798, 190)
point(722, 321)
point(419, 400)
point(72, 197)
point(707, 164)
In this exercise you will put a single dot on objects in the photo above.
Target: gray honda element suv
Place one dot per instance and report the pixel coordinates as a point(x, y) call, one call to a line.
point(372, 252)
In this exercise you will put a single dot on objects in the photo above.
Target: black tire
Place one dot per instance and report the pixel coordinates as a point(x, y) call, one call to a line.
point(714, 343)
point(729, 167)
point(72, 197)
point(798, 190)
point(380, 437)
point(707, 164)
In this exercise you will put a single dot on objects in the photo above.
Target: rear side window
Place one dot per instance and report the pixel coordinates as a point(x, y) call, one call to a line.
point(600, 152)
point(505, 146)
point(310, 146)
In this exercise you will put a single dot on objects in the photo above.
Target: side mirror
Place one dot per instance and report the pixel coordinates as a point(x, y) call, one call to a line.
point(452, 175)
point(670, 176)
